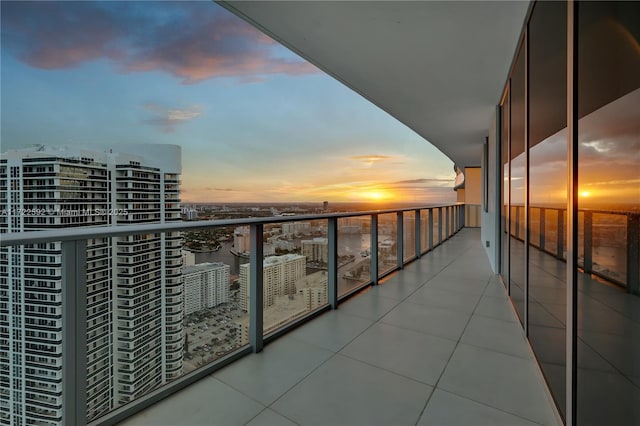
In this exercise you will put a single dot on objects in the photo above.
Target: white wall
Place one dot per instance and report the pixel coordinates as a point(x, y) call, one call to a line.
point(490, 229)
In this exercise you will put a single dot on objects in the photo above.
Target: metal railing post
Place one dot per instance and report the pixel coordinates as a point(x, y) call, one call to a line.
point(543, 224)
point(374, 249)
point(430, 224)
point(74, 332)
point(588, 241)
point(439, 225)
point(455, 218)
point(418, 236)
point(448, 222)
point(560, 236)
point(400, 239)
point(256, 288)
point(633, 253)
point(333, 262)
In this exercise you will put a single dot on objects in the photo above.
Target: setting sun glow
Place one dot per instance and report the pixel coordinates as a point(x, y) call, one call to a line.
point(376, 195)
point(585, 194)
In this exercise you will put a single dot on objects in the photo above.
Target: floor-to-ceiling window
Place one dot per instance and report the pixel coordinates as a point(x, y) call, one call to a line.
point(535, 168)
point(504, 191)
point(547, 34)
point(517, 183)
point(609, 203)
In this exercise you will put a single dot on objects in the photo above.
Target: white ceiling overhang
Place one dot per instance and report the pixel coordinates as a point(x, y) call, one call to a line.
point(439, 67)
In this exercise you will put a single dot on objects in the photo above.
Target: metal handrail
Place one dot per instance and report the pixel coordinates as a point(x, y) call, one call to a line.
point(87, 232)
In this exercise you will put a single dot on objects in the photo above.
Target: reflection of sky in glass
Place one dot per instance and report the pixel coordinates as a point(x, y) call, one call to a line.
point(609, 155)
point(609, 160)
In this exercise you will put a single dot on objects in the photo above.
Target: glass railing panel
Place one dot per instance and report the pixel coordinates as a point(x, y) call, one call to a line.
point(159, 306)
point(409, 235)
point(424, 230)
point(387, 243)
point(215, 307)
point(609, 251)
point(295, 271)
point(354, 253)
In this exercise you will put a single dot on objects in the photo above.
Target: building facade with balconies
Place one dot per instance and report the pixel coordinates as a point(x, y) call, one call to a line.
point(134, 288)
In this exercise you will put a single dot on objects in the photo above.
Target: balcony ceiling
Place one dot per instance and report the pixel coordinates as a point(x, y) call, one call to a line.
point(438, 67)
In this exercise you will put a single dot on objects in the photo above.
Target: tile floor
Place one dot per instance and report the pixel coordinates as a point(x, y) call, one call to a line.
point(434, 344)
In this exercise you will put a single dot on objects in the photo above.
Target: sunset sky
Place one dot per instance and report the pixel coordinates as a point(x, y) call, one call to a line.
point(255, 122)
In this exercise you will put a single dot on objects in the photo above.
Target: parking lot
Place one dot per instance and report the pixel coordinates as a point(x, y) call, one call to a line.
point(212, 333)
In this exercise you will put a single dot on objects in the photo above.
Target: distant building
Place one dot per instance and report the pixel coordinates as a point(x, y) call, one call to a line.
point(316, 250)
point(188, 258)
point(268, 249)
point(279, 276)
point(296, 228)
point(206, 285)
point(313, 289)
point(354, 225)
point(241, 239)
point(279, 244)
point(325, 206)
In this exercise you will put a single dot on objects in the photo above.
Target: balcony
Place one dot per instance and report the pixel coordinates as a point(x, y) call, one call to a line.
point(437, 342)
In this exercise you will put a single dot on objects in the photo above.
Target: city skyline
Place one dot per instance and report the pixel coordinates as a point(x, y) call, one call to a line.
point(256, 123)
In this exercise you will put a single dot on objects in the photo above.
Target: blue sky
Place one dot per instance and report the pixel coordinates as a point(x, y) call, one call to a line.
point(255, 122)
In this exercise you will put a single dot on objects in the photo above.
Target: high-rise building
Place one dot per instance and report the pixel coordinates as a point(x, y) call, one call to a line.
point(316, 250)
point(205, 285)
point(241, 239)
point(279, 276)
point(134, 287)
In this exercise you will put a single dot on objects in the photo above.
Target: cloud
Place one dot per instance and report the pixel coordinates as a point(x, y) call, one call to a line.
point(425, 181)
point(192, 41)
point(168, 118)
point(370, 160)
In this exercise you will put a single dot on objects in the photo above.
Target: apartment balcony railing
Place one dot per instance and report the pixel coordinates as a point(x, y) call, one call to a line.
point(395, 237)
point(608, 241)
